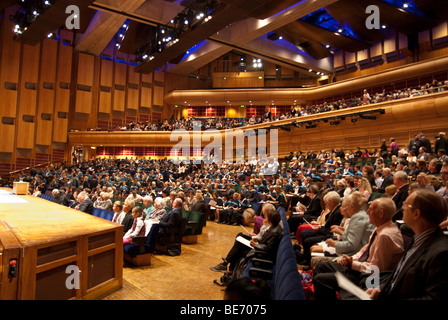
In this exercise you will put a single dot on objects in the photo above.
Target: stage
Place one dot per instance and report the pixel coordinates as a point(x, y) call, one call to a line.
point(49, 251)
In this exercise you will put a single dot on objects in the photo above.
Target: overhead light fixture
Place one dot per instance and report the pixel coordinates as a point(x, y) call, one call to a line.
point(405, 5)
point(335, 122)
point(354, 119)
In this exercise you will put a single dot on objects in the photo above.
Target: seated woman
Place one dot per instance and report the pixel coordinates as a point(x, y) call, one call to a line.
point(357, 232)
point(279, 200)
point(138, 226)
point(199, 205)
point(314, 224)
point(159, 210)
point(266, 240)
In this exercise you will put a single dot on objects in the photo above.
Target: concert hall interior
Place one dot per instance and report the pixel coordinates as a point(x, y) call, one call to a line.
point(140, 138)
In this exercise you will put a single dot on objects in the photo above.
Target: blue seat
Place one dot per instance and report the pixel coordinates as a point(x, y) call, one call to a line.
point(103, 214)
point(146, 246)
point(285, 280)
point(256, 206)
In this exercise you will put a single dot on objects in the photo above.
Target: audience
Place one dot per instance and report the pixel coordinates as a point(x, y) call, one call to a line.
point(383, 251)
point(310, 186)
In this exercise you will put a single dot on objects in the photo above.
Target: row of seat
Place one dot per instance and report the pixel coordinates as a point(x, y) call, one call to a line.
point(283, 275)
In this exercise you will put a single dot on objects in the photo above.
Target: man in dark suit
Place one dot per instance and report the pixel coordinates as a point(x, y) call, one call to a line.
point(85, 203)
point(125, 218)
point(388, 179)
point(311, 212)
point(172, 220)
point(401, 181)
point(421, 273)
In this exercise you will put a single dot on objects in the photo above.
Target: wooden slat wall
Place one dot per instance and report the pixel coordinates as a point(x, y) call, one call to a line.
point(106, 80)
point(9, 73)
point(29, 75)
point(84, 89)
point(45, 107)
point(62, 91)
point(145, 90)
point(133, 88)
point(119, 92)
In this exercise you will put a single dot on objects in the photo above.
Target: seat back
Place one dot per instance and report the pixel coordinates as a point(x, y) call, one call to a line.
point(96, 212)
point(179, 235)
point(198, 217)
point(152, 237)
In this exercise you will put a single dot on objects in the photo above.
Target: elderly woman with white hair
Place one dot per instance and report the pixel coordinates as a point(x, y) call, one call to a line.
point(159, 209)
point(103, 201)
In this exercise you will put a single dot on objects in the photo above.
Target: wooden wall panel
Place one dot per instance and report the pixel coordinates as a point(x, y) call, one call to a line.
point(106, 82)
point(133, 98)
point(85, 76)
point(158, 95)
point(86, 64)
point(350, 57)
point(376, 49)
point(133, 94)
point(119, 92)
point(107, 71)
point(83, 101)
point(46, 96)
point(29, 76)
point(120, 73)
point(440, 30)
point(105, 102)
point(390, 42)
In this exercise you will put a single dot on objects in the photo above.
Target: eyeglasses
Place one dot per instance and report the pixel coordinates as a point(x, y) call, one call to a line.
point(407, 204)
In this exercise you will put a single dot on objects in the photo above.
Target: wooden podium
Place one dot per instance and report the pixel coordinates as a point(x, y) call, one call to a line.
point(42, 243)
point(20, 188)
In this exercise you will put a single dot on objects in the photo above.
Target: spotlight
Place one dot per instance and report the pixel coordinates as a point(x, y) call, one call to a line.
point(354, 119)
point(335, 122)
point(310, 126)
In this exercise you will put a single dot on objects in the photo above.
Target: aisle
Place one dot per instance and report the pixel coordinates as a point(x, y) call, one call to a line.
point(185, 277)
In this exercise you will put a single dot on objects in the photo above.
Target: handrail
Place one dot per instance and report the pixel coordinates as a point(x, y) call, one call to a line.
point(28, 168)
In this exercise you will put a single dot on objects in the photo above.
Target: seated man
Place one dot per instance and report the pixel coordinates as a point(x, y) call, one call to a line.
point(172, 220)
point(421, 273)
point(384, 250)
point(85, 203)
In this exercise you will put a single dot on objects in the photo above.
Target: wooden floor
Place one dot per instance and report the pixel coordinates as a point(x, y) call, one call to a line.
point(184, 277)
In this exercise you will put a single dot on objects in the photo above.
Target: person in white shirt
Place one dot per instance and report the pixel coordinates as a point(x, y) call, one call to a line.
point(138, 226)
point(134, 196)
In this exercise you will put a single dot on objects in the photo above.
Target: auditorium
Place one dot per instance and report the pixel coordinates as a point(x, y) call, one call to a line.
point(220, 150)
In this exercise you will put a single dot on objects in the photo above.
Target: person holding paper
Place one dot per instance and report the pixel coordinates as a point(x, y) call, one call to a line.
point(421, 274)
point(382, 252)
point(244, 243)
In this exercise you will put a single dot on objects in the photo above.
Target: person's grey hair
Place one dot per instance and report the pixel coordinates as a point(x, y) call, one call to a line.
point(148, 198)
point(402, 176)
point(56, 192)
point(340, 183)
point(159, 203)
point(179, 202)
point(130, 203)
point(332, 196)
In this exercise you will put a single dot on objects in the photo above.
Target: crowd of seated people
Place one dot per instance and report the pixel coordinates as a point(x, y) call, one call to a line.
point(222, 123)
point(305, 179)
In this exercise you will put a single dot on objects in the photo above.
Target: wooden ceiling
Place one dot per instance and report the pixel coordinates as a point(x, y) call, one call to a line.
point(307, 28)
